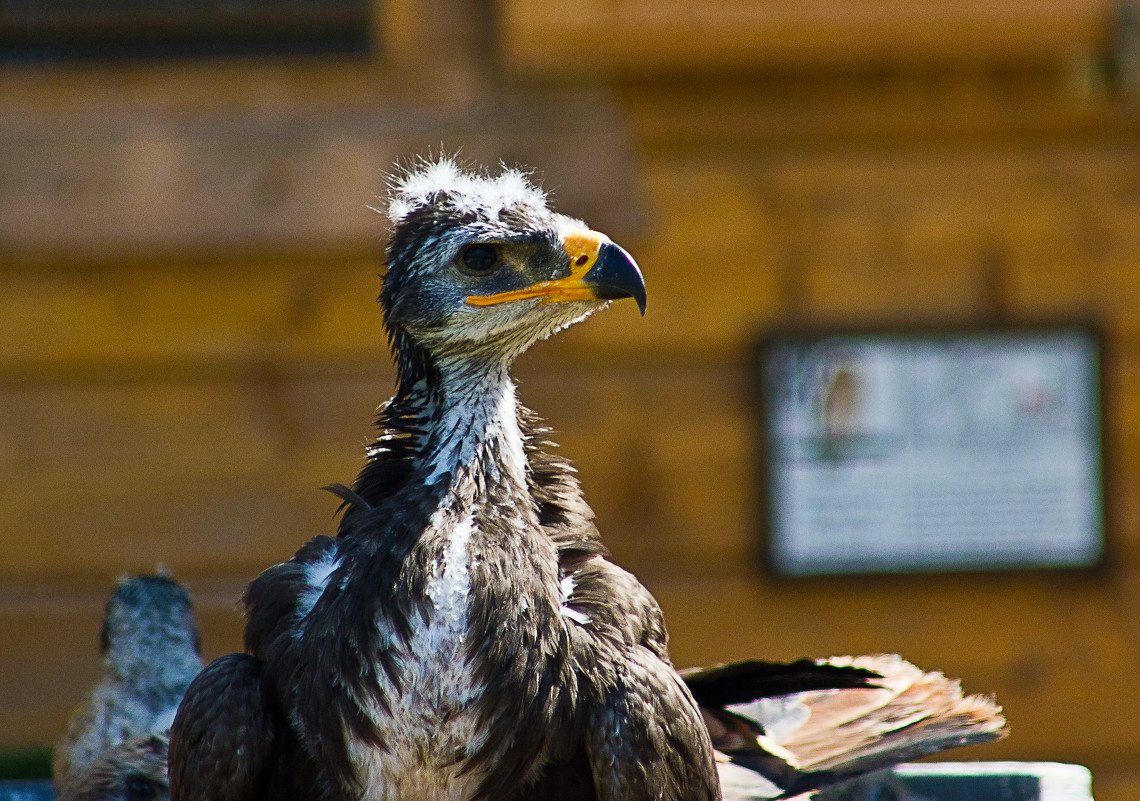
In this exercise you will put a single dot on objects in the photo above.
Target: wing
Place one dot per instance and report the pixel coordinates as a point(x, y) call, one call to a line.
point(643, 733)
point(223, 737)
point(745, 706)
point(562, 510)
point(744, 682)
point(647, 739)
point(912, 714)
point(879, 711)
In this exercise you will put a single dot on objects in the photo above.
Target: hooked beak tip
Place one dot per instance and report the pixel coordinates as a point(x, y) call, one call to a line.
point(616, 275)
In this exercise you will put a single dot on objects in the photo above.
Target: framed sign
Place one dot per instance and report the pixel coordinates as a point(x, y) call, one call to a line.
point(932, 451)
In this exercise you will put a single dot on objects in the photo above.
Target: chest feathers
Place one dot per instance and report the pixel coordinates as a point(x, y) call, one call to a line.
point(487, 580)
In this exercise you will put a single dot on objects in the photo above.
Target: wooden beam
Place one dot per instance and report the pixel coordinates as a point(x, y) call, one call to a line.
point(1073, 100)
point(102, 184)
point(646, 36)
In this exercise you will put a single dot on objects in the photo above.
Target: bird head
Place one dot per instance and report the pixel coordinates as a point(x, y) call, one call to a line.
point(480, 265)
point(148, 613)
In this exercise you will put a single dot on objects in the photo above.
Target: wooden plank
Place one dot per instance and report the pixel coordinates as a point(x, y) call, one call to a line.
point(712, 268)
point(638, 36)
point(65, 434)
point(196, 475)
point(57, 433)
point(1119, 783)
point(845, 110)
point(1104, 289)
point(883, 292)
point(131, 180)
point(665, 457)
point(737, 245)
point(943, 234)
point(179, 88)
point(936, 233)
point(201, 475)
point(869, 237)
point(236, 524)
point(192, 316)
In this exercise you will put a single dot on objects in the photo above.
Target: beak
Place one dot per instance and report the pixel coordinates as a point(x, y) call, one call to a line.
point(599, 270)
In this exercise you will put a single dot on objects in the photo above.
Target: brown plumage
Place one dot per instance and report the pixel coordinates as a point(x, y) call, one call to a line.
point(464, 637)
point(132, 771)
point(150, 655)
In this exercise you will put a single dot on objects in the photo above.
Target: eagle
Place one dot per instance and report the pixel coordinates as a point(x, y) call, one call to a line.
point(464, 636)
point(134, 770)
point(151, 653)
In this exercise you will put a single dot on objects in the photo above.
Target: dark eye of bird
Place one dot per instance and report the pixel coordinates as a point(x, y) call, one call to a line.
point(480, 258)
point(140, 788)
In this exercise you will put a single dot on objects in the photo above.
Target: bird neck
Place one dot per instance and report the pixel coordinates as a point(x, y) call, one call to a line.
point(449, 438)
point(470, 437)
point(156, 663)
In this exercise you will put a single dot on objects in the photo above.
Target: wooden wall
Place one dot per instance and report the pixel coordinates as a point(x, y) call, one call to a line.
point(189, 346)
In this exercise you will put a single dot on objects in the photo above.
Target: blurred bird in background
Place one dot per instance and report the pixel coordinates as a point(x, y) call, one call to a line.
point(151, 653)
point(464, 636)
point(132, 771)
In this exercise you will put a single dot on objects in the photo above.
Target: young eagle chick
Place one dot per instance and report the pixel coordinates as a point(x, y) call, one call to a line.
point(463, 637)
point(135, 770)
point(150, 655)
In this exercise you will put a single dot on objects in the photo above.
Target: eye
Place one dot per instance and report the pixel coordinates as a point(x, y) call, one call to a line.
point(480, 258)
point(140, 788)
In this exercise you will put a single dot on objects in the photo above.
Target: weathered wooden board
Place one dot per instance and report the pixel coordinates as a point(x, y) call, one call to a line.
point(203, 317)
point(561, 37)
point(224, 473)
point(734, 247)
point(150, 181)
point(764, 110)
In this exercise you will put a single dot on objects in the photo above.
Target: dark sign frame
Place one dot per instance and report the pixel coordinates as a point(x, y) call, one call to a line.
point(774, 454)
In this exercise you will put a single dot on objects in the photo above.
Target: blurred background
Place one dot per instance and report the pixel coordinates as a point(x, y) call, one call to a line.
point(190, 348)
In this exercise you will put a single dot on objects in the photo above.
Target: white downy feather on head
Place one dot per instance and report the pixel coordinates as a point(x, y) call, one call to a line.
point(467, 191)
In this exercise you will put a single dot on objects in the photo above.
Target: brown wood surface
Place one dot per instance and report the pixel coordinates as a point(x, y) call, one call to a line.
point(646, 35)
point(148, 181)
point(190, 346)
